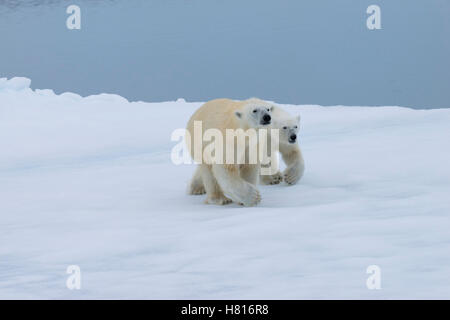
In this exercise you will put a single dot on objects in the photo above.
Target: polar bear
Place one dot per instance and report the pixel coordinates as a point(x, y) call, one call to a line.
point(224, 183)
point(289, 149)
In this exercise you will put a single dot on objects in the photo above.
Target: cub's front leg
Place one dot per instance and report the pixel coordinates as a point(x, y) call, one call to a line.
point(293, 173)
point(271, 179)
point(295, 166)
point(273, 174)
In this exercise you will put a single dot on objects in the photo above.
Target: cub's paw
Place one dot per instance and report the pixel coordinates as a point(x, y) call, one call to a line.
point(222, 200)
point(251, 198)
point(196, 189)
point(272, 179)
point(292, 175)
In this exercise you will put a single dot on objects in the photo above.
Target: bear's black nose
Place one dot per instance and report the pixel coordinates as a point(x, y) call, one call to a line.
point(267, 118)
point(293, 137)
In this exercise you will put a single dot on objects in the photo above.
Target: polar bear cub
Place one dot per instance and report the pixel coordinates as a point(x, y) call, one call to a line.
point(224, 182)
point(289, 149)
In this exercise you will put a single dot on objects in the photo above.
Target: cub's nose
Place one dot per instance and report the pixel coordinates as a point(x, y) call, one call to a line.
point(267, 118)
point(293, 137)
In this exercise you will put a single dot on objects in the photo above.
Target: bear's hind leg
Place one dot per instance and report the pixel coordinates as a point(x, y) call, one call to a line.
point(196, 186)
point(213, 191)
point(250, 173)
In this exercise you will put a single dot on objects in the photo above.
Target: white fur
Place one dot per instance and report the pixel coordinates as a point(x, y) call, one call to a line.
point(224, 183)
point(290, 152)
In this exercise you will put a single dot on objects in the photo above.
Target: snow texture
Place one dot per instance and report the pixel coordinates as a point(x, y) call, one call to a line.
point(88, 181)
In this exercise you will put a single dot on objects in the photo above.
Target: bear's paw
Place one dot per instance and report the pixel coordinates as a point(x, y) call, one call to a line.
point(197, 189)
point(272, 179)
point(292, 175)
point(222, 200)
point(250, 198)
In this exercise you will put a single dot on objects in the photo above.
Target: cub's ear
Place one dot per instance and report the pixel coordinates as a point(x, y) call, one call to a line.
point(238, 114)
point(298, 119)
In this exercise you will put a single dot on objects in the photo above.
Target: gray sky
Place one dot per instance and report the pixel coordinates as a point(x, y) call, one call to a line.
point(301, 52)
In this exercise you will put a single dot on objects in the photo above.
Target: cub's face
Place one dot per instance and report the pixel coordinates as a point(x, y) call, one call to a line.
point(288, 130)
point(256, 116)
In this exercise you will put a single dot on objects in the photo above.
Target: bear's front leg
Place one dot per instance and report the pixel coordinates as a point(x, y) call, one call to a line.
point(270, 173)
point(271, 179)
point(295, 165)
point(293, 173)
point(234, 186)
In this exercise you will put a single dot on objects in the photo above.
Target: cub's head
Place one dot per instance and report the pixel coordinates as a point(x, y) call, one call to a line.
point(288, 128)
point(255, 114)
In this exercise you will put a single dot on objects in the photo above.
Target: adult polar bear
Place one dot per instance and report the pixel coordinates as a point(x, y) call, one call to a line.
point(220, 181)
point(288, 147)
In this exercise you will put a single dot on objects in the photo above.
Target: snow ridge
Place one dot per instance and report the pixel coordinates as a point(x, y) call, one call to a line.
point(89, 181)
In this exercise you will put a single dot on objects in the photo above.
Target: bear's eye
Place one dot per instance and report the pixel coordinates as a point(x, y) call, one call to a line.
point(295, 127)
point(268, 109)
point(254, 111)
point(284, 128)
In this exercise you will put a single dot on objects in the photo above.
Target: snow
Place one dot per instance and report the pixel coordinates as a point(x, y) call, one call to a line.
point(88, 181)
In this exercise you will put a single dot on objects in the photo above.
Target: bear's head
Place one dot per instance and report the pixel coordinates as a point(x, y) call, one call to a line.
point(255, 114)
point(288, 128)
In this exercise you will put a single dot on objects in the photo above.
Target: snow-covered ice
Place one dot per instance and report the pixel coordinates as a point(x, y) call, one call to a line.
point(88, 181)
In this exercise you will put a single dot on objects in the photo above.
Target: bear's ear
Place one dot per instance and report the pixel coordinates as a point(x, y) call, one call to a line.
point(271, 108)
point(298, 119)
point(238, 114)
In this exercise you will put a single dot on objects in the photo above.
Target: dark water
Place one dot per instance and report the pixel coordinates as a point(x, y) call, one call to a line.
point(290, 51)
